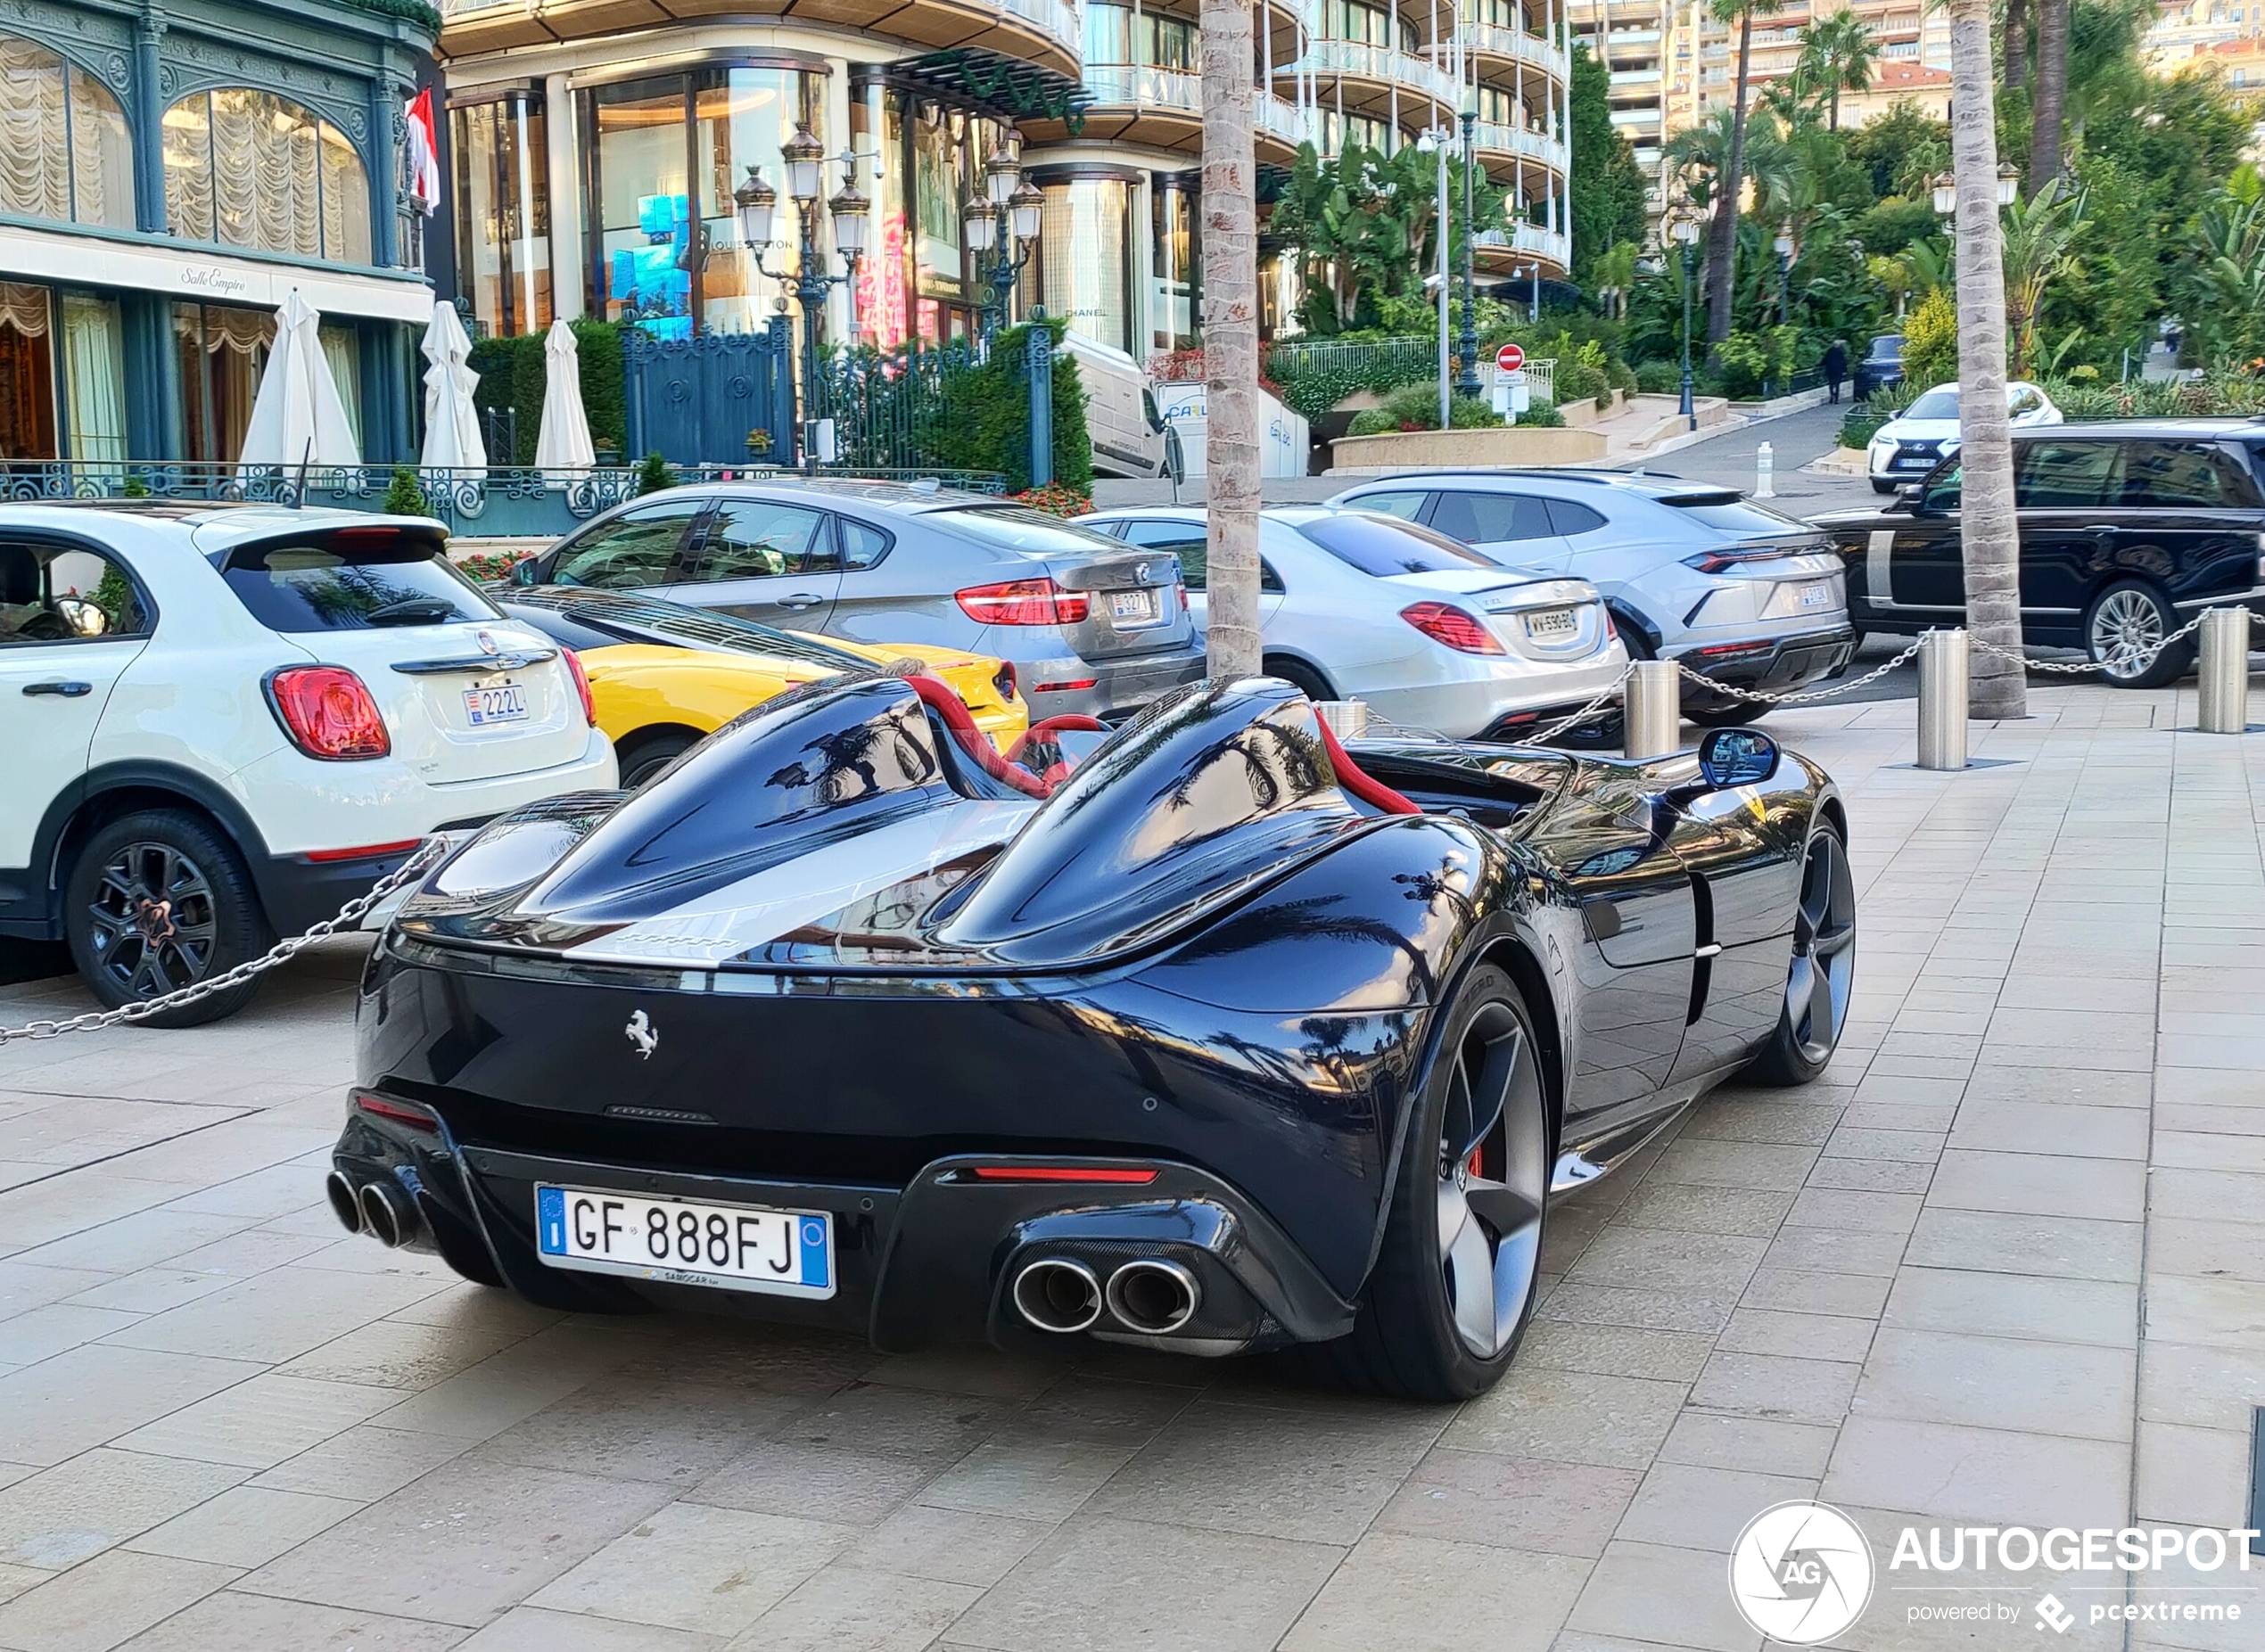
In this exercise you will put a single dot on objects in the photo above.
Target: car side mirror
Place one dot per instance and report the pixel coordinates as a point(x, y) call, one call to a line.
point(522, 572)
point(1737, 757)
point(1908, 496)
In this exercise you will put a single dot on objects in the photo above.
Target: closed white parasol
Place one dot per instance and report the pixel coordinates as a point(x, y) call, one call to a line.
point(564, 443)
point(297, 417)
point(451, 422)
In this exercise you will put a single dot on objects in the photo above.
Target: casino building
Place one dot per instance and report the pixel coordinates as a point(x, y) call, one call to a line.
point(597, 145)
point(169, 170)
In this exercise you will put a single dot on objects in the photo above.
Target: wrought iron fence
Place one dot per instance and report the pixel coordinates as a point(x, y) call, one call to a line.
point(504, 502)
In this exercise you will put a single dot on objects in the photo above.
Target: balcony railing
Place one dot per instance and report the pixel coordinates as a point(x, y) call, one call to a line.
point(1280, 117)
point(1377, 62)
point(1144, 86)
point(1500, 40)
point(1498, 138)
point(1529, 240)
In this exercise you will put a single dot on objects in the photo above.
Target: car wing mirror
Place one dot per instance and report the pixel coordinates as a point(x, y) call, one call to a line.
point(1908, 496)
point(522, 572)
point(1735, 757)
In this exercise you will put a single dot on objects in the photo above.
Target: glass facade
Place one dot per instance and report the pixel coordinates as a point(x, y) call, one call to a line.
point(1175, 281)
point(250, 169)
point(1086, 262)
point(503, 212)
point(64, 153)
point(918, 278)
point(26, 374)
point(670, 151)
point(94, 356)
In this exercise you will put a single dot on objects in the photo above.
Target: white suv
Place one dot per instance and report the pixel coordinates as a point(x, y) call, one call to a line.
point(222, 722)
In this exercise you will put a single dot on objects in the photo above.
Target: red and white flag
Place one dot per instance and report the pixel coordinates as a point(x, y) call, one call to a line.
point(424, 153)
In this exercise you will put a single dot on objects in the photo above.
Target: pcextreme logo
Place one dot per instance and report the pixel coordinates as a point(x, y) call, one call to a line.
point(1800, 1573)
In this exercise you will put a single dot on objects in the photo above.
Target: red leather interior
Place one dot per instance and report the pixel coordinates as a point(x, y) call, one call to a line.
point(939, 698)
point(1370, 790)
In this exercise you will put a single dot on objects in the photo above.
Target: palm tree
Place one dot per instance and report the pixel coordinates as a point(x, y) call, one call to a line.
point(1722, 235)
point(1230, 337)
point(1837, 55)
point(1988, 529)
point(2016, 44)
point(2052, 93)
point(1697, 155)
point(1614, 273)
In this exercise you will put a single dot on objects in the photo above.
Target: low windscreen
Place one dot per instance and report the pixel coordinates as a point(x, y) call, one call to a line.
point(352, 580)
point(1730, 515)
point(1934, 405)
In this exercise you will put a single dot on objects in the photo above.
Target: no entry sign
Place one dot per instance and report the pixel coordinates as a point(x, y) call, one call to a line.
point(1509, 358)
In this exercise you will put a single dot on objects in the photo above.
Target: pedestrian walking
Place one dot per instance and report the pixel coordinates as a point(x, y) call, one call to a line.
point(1836, 366)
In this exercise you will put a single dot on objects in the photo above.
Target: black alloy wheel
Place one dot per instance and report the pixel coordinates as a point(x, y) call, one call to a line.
point(1456, 1283)
point(158, 901)
point(1302, 677)
point(1820, 976)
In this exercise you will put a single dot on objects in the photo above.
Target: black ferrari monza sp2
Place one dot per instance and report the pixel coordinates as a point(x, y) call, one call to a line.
point(1225, 1038)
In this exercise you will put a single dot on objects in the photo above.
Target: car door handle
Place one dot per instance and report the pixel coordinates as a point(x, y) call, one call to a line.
point(800, 599)
point(67, 691)
point(2102, 528)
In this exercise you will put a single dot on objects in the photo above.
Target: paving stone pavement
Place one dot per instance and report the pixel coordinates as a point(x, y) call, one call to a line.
point(2005, 1264)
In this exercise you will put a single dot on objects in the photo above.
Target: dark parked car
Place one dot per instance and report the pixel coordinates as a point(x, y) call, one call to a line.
point(1881, 367)
point(2127, 532)
point(1224, 1038)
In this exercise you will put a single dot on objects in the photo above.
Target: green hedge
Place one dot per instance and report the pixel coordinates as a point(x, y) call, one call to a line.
point(417, 12)
point(512, 376)
point(986, 421)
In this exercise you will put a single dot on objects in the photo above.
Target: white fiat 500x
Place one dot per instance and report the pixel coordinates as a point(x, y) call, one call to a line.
point(222, 722)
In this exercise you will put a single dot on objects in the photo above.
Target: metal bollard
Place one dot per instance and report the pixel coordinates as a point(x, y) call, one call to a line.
point(1942, 700)
point(1347, 720)
point(2224, 682)
point(1653, 716)
point(1765, 467)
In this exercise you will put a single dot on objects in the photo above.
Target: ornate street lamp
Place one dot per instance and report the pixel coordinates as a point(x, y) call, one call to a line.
point(1006, 217)
point(755, 204)
point(1683, 226)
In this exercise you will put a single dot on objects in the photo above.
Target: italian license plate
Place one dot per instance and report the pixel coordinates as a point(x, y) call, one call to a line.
point(1552, 624)
point(1817, 593)
point(1132, 607)
point(506, 703)
point(736, 1248)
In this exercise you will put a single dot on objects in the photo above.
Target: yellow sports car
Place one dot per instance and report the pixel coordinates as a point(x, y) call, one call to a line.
point(662, 676)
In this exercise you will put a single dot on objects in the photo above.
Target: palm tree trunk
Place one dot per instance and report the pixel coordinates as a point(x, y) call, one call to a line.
point(2016, 44)
point(1230, 338)
point(1722, 238)
point(2052, 94)
point(1988, 529)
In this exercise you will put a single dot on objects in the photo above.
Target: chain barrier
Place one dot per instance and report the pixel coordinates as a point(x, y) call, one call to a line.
point(2081, 666)
point(430, 852)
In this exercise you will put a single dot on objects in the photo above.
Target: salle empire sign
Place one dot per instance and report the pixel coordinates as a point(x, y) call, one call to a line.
point(2095, 1549)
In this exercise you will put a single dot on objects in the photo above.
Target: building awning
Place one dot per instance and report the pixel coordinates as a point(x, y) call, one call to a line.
point(200, 275)
point(1022, 90)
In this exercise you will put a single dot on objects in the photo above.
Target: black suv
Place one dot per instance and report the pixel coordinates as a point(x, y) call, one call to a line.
point(2127, 532)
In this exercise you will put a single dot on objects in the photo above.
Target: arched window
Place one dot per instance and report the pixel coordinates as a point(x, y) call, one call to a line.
point(63, 150)
point(251, 169)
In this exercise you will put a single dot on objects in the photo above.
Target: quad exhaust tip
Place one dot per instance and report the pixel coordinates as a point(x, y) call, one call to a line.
point(343, 1205)
point(386, 1213)
point(1155, 1298)
point(1056, 1294)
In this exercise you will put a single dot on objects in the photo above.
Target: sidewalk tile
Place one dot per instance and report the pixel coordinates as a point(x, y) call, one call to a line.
point(1417, 1594)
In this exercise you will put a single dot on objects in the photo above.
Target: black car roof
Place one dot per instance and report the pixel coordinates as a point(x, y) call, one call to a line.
point(2197, 429)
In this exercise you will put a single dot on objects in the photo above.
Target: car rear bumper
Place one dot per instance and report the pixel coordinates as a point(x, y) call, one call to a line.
point(1774, 665)
point(1104, 687)
point(932, 1261)
point(1480, 705)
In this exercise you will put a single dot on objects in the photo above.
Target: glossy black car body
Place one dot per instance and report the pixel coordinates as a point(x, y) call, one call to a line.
point(1179, 1010)
point(1880, 366)
point(2170, 511)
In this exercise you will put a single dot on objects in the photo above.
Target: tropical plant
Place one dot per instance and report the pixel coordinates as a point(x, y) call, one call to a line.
point(2225, 276)
point(1614, 273)
point(1892, 276)
point(1837, 54)
point(1931, 340)
point(1416, 408)
point(2037, 240)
